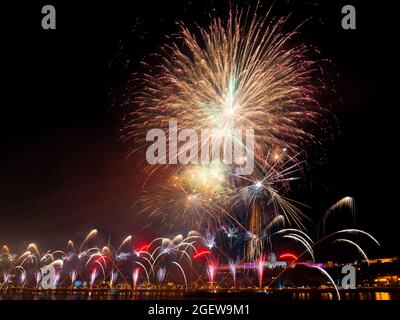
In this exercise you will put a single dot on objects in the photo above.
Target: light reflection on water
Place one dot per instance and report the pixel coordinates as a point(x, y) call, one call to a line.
point(312, 295)
point(379, 295)
point(384, 295)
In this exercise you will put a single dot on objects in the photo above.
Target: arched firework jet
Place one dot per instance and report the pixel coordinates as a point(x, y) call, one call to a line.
point(182, 260)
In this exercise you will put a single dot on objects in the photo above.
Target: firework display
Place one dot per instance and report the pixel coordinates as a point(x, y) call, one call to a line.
point(197, 259)
point(225, 124)
point(242, 74)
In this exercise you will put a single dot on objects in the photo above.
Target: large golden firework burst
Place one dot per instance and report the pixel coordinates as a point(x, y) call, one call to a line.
point(245, 73)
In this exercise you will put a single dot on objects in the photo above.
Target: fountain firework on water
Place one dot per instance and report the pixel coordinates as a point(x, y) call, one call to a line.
point(113, 278)
point(161, 272)
point(233, 270)
point(135, 277)
point(260, 266)
point(57, 278)
point(160, 257)
point(212, 271)
point(93, 276)
point(73, 275)
point(22, 276)
point(38, 277)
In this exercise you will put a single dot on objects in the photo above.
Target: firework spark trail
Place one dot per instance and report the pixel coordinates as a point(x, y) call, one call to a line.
point(353, 231)
point(90, 235)
point(303, 242)
point(145, 270)
point(330, 279)
point(183, 273)
point(124, 242)
point(346, 202)
point(359, 249)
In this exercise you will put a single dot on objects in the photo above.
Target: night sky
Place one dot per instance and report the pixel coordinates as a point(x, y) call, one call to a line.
point(63, 169)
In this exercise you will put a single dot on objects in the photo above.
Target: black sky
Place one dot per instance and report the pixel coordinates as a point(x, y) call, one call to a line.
point(63, 170)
